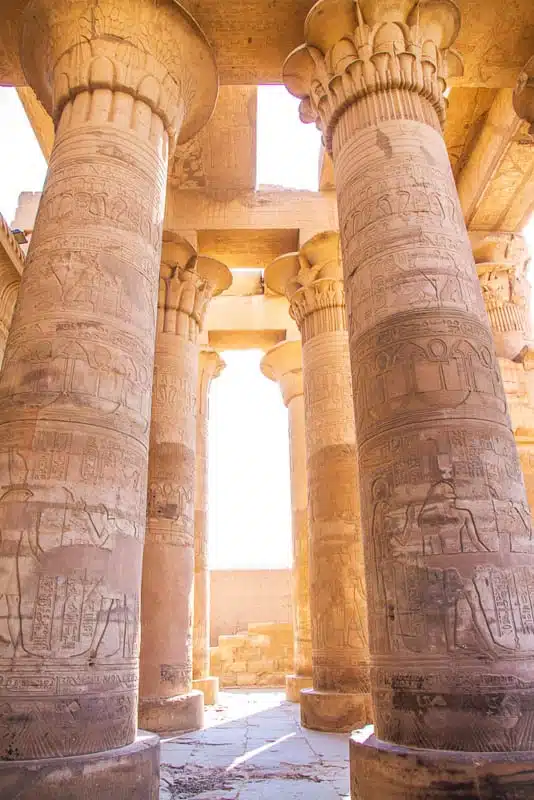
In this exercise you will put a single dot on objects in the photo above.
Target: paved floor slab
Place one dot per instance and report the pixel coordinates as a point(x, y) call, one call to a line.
point(254, 748)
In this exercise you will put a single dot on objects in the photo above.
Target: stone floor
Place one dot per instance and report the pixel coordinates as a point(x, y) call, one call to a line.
point(253, 748)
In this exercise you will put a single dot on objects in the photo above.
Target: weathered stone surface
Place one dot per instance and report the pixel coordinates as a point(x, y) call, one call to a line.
point(283, 363)
point(312, 280)
point(187, 283)
point(449, 558)
point(381, 769)
point(75, 388)
point(181, 712)
point(260, 657)
point(295, 684)
point(333, 712)
point(126, 773)
point(210, 366)
point(209, 687)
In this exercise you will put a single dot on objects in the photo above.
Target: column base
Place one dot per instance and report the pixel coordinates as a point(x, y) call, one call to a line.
point(295, 684)
point(380, 769)
point(209, 687)
point(127, 772)
point(181, 713)
point(334, 712)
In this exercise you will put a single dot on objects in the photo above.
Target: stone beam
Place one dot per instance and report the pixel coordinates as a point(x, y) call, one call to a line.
point(311, 212)
point(490, 147)
point(249, 313)
point(39, 118)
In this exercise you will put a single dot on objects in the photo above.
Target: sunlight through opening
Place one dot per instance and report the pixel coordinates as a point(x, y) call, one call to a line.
point(287, 149)
point(249, 515)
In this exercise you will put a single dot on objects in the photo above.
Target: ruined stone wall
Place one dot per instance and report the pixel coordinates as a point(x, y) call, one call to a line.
point(242, 596)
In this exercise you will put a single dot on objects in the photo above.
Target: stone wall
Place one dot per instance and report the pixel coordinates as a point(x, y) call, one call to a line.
point(239, 597)
point(260, 656)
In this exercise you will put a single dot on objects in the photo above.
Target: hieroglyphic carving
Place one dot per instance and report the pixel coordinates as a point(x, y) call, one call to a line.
point(75, 391)
point(312, 281)
point(187, 283)
point(449, 550)
point(449, 532)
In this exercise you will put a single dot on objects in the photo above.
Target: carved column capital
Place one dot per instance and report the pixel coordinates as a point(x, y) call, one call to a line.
point(502, 260)
point(364, 50)
point(283, 364)
point(153, 51)
point(186, 285)
point(524, 94)
point(211, 363)
point(312, 280)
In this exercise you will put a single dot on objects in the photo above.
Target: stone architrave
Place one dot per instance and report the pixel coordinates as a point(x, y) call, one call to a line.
point(210, 366)
point(312, 280)
point(283, 363)
point(448, 539)
point(75, 393)
point(167, 700)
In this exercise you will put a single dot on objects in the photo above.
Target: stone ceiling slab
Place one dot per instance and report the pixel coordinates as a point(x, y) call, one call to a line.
point(251, 38)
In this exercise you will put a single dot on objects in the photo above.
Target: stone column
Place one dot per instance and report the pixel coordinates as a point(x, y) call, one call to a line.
point(283, 363)
point(448, 545)
point(501, 260)
point(312, 281)
point(75, 393)
point(210, 366)
point(11, 266)
point(167, 700)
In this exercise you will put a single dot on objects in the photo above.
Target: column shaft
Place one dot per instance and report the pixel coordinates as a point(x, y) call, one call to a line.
point(337, 593)
point(312, 281)
point(210, 367)
point(448, 538)
point(75, 393)
point(74, 410)
point(283, 363)
point(301, 570)
point(167, 701)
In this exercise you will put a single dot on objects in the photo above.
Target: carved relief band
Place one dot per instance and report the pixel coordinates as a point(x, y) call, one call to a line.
point(76, 383)
point(167, 700)
point(312, 280)
point(447, 529)
point(283, 363)
point(210, 366)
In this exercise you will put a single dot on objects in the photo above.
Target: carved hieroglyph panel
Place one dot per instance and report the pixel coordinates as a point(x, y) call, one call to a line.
point(166, 650)
point(337, 589)
point(75, 409)
point(449, 544)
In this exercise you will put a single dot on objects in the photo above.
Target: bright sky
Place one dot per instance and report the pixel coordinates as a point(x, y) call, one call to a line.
point(250, 518)
point(288, 150)
point(249, 499)
point(22, 165)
